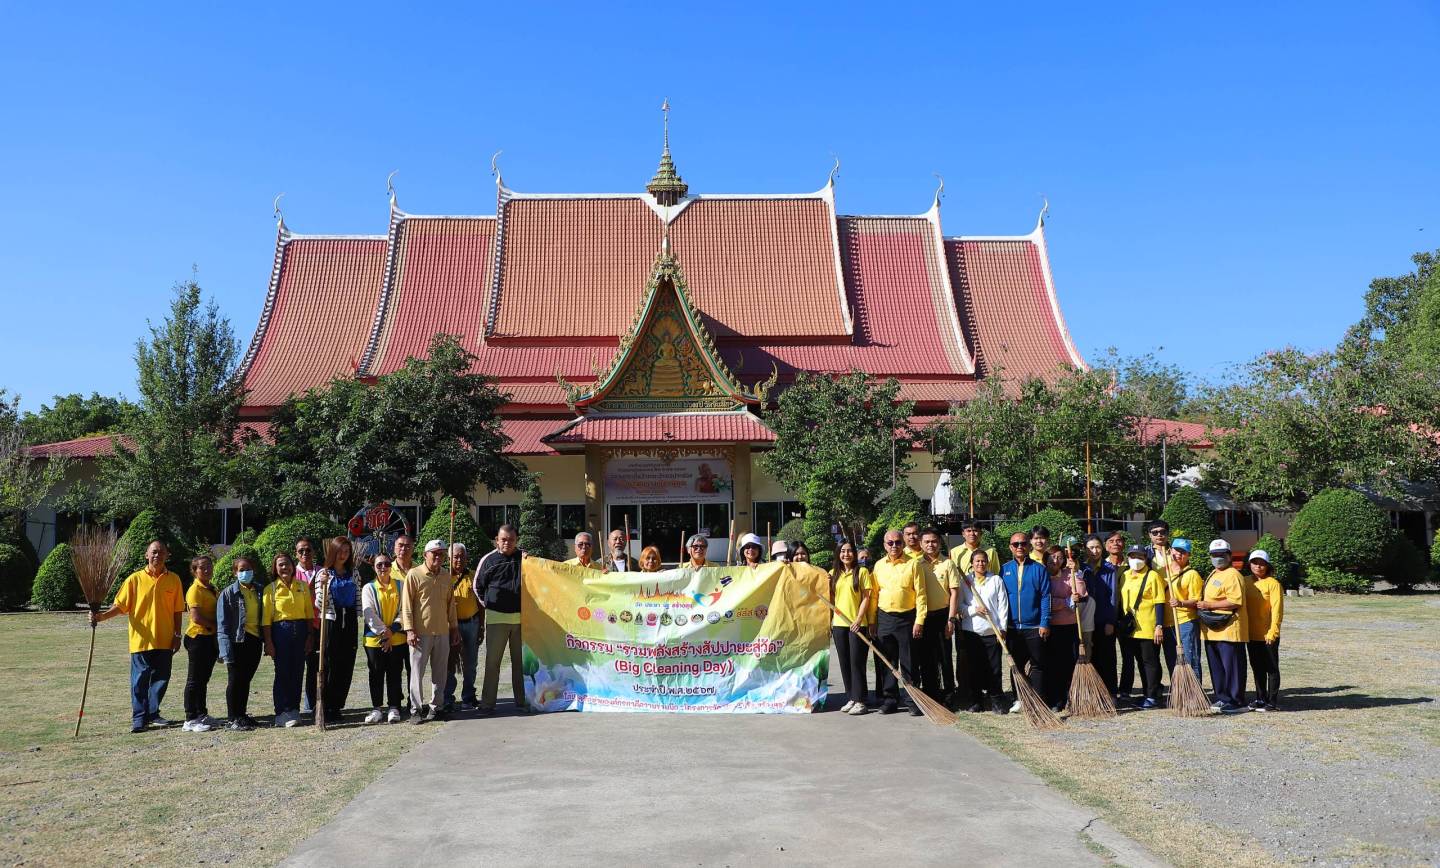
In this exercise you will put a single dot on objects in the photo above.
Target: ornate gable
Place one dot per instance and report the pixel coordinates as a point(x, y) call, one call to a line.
point(667, 360)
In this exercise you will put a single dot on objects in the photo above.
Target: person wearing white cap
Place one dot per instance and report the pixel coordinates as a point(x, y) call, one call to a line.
point(698, 546)
point(1265, 602)
point(780, 551)
point(751, 548)
point(427, 615)
point(1226, 629)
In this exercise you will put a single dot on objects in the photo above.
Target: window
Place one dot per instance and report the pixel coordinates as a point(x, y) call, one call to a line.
point(491, 517)
point(1238, 519)
point(572, 520)
point(774, 513)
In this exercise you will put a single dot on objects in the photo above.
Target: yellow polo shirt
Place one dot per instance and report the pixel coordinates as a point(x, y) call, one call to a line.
point(593, 565)
point(1227, 584)
point(900, 585)
point(940, 577)
point(466, 606)
point(1143, 607)
point(387, 598)
point(151, 604)
point(914, 554)
point(252, 611)
point(1187, 585)
point(961, 554)
point(1265, 605)
point(1037, 557)
point(202, 598)
point(847, 600)
point(287, 602)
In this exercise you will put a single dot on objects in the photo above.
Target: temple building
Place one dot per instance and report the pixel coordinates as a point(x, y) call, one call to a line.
point(637, 333)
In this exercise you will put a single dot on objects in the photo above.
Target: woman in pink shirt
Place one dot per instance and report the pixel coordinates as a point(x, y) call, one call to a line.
point(1067, 591)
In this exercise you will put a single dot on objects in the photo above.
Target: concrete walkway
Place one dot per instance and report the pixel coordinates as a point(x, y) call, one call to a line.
point(610, 789)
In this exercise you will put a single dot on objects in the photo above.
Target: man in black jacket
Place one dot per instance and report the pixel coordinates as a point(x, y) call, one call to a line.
point(497, 586)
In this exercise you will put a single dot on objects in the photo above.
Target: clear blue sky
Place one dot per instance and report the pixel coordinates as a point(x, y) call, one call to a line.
point(1222, 180)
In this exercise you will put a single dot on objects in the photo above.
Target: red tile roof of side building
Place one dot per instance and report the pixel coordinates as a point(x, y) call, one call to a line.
point(726, 427)
point(103, 445)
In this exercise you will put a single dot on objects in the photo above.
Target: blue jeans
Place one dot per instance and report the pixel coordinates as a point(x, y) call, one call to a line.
point(464, 659)
point(289, 638)
point(149, 676)
point(1189, 644)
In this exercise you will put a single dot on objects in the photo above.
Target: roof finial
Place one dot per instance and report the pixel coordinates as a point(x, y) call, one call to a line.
point(495, 166)
point(279, 217)
point(1044, 209)
point(666, 186)
point(390, 186)
point(834, 170)
point(939, 191)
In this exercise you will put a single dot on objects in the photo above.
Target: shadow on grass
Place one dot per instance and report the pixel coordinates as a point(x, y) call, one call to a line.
point(1316, 699)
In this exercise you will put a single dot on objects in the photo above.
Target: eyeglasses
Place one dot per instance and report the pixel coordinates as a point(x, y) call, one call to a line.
point(1157, 532)
point(1017, 545)
point(698, 545)
point(892, 542)
point(304, 551)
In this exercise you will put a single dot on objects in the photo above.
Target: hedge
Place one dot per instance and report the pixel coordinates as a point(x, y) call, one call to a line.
point(281, 536)
point(244, 546)
point(17, 576)
point(538, 535)
point(437, 526)
point(817, 538)
point(148, 526)
point(1405, 565)
point(901, 508)
point(56, 588)
point(1341, 530)
point(1059, 524)
point(1339, 581)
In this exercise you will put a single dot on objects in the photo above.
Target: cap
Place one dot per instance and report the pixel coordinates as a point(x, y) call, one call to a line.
point(779, 547)
point(751, 539)
point(1181, 543)
point(1219, 546)
point(1259, 555)
point(435, 545)
point(1136, 550)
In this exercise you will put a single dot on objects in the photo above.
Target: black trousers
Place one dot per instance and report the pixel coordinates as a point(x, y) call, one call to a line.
point(202, 651)
point(850, 654)
point(1149, 653)
point(898, 644)
point(386, 674)
point(1060, 653)
point(982, 656)
point(1130, 656)
point(1265, 664)
point(341, 637)
point(931, 657)
point(1026, 646)
point(240, 670)
point(880, 669)
point(1102, 655)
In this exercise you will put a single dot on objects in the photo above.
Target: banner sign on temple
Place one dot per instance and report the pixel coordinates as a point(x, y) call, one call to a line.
point(682, 480)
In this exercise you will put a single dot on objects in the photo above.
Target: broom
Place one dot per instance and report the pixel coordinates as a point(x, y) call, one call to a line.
point(934, 711)
point(1089, 697)
point(96, 555)
point(1037, 713)
point(1187, 695)
point(322, 603)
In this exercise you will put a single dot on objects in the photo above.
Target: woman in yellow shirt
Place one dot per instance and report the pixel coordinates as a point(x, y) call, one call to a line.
point(286, 622)
point(1142, 604)
point(851, 590)
point(1265, 603)
point(384, 641)
point(1222, 612)
point(200, 644)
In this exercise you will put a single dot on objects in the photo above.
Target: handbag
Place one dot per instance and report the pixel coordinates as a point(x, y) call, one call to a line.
point(1213, 619)
point(1125, 621)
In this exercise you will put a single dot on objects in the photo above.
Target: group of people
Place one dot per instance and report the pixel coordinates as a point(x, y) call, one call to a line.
point(410, 618)
point(948, 619)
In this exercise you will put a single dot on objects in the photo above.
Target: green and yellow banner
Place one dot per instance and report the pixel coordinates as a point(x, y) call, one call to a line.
point(716, 639)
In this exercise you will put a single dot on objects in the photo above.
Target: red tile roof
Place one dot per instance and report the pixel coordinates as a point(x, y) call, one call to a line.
point(526, 435)
point(98, 446)
point(317, 317)
point(666, 428)
point(1193, 434)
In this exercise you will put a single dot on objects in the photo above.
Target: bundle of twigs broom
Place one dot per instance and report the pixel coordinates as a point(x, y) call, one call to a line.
point(97, 556)
point(1089, 697)
point(1187, 695)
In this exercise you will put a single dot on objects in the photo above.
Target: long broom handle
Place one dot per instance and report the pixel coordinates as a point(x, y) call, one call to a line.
point(324, 596)
point(85, 691)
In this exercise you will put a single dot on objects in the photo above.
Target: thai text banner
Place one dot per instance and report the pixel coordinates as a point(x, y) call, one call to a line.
point(716, 639)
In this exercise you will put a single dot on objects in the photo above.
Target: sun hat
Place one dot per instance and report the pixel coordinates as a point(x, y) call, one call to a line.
point(779, 547)
point(751, 539)
point(1259, 555)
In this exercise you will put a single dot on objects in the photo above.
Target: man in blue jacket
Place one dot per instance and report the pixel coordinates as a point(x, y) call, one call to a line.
point(1027, 584)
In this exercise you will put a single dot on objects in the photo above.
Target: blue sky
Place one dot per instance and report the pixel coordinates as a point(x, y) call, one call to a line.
point(1222, 178)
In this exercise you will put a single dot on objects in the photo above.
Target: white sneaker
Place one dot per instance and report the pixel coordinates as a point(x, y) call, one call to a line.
point(858, 709)
point(185, 727)
point(845, 709)
point(292, 720)
point(281, 718)
point(197, 725)
point(393, 716)
point(375, 716)
point(1016, 708)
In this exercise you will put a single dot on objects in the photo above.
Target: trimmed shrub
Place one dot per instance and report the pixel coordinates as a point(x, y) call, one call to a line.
point(1058, 523)
point(280, 536)
point(816, 534)
point(17, 576)
point(1283, 565)
point(12, 531)
point(1341, 530)
point(1337, 581)
point(901, 508)
point(437, 526)
point(1435, 554)
point(1405, 565)
point(244, 546)
point(151, 525)
point(791, 531)
point(56, 588)
point(538, 535)
point(1189, 517)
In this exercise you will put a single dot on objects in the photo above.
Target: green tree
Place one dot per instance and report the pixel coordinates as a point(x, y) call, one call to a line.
point(1189, 516)
point(281, 535)
point(1157, 390)
point(836, 442)
point(17, 576)
point(74, 416)
point(184, 432)
point(437, 526)
point(151, 525)
point(817, 532)
point(901, 506)
point(1340, 532)
point(56, 588)
point(1402, 314)
point(25, 481)
point(538, 535)
point(431, 426)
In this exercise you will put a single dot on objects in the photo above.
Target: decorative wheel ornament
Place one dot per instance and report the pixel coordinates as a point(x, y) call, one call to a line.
point(376, 527)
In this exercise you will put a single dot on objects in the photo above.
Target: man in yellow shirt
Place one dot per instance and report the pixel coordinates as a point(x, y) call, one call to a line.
point(961, 555)
point(941, 583)
point(1225, 637)
point(153, 601)
point(1265, 603)
point(911, 534)
point(584, 553)
point(468, 619)
point(427, 615)
point(901, 593)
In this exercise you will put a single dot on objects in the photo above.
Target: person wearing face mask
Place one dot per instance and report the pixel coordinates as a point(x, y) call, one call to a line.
point(1265, 601)
point(237, 626)
point(780, 551)
point(1141, 625)
point(1226, 629)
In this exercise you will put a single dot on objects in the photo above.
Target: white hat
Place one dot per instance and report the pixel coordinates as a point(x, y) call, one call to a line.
point(779, 547)
point(751, 539)
point(435, 545)
point(1219, 546)
point(1259, 555)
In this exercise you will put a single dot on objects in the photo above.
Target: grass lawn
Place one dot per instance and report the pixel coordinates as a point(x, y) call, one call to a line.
point(1348, 772)
point(162, 797)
